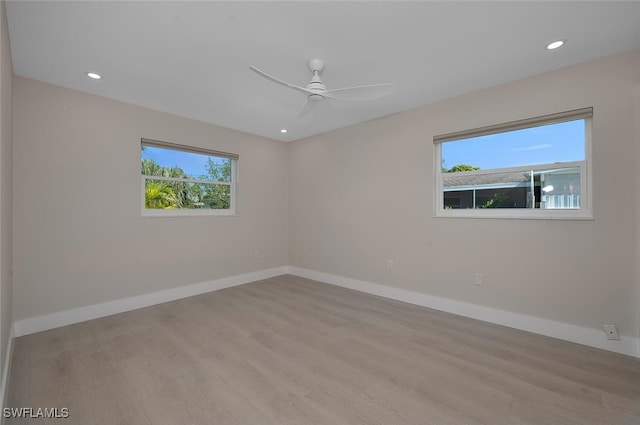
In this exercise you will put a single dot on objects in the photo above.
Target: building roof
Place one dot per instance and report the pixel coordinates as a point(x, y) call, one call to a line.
point(467, 181)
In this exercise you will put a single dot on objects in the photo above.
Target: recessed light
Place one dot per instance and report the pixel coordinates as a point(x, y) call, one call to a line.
point(94, 75)
point(284, 130)
point(555, 45)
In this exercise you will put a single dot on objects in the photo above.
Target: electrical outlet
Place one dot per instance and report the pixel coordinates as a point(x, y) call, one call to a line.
point(390, 264)
point(257, 253)
point(477, 280)
point(612, 332)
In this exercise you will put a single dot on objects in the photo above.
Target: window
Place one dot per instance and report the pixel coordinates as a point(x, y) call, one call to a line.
point(534, 168)
point(184, 180)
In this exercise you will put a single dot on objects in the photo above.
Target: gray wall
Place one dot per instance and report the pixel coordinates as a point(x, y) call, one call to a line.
point(79, 235)
point(364, 194)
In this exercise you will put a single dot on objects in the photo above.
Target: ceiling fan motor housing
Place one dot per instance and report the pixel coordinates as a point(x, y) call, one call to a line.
point(315, 98)
point(316, 85)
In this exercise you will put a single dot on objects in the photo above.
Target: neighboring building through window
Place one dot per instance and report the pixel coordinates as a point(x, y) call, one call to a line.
point(534, 168)
point(185, 180)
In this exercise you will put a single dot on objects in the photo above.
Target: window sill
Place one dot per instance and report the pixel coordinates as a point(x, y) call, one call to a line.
point(523, 214)
point(186, 213)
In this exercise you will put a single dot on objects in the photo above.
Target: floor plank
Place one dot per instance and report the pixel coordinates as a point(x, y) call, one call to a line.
point(289, 350)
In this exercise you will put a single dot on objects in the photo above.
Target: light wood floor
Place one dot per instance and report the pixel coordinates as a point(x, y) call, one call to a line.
point(291, 351)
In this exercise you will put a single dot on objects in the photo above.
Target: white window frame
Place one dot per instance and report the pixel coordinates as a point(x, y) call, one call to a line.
point(585, 212)
point(231, 211)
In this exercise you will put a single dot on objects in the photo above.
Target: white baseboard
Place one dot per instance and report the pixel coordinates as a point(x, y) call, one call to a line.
point(585, 336)
point(69, 317)
point(5, 369)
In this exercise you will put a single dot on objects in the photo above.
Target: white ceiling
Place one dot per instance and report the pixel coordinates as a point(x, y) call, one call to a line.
point(193, 58)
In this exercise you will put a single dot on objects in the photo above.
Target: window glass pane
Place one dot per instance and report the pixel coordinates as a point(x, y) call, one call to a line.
point(162, 194)
point(215, 197)
point(559, 142)
point(560, 189)
point(548, 188)
point(493, 190)
point(178, 164)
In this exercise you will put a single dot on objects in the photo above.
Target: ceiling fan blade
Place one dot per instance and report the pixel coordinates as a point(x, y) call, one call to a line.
point(277, 81)
point(307, 108)
point(370, 92)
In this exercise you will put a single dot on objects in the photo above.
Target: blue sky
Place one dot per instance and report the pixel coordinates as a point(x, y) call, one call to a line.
point(193, 164)
point(551, 143)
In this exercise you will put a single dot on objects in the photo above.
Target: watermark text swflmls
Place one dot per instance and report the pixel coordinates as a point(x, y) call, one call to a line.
point(36, 412)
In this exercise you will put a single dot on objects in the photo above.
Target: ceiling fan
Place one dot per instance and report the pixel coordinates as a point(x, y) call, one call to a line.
point(316, 90)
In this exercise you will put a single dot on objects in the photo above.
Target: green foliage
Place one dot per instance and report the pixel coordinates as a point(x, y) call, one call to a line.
point(460, 167)
point(217, 196)
point(159, 195)
point(218, 172)
point(184, 194)
point(496, 202)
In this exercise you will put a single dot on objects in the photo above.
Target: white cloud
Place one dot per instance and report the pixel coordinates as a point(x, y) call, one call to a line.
point(533, 148)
